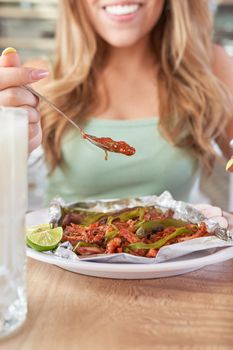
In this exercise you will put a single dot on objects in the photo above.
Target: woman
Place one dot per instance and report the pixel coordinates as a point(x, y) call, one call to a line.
point(142, 71)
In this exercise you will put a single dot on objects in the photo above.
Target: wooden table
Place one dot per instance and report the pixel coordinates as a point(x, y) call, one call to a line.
point(70, 311)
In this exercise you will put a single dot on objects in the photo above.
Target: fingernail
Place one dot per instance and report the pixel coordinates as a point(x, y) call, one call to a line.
point(8, 50)
point(229, 166)
point(37, 74)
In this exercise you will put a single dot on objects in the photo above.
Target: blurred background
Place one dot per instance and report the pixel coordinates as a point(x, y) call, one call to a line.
point(29, 26)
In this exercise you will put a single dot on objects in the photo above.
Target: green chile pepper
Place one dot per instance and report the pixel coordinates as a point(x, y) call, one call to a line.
point(161, 242)
point(131, 214)
point(150, 225)
point(88, 248)
point(112, 234)
point(84, 244)
point(92, 218)
point(89, 217)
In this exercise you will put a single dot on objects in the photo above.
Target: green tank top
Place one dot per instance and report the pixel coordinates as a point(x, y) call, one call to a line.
point(157, 166)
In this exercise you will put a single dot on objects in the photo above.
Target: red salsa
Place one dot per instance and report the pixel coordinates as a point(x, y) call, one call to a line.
point(110, 145)
point(115, 146)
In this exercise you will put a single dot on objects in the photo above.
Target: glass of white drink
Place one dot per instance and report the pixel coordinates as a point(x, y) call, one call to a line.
point(13, 205)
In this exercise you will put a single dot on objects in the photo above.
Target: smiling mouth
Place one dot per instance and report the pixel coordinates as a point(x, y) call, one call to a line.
point(122, 9)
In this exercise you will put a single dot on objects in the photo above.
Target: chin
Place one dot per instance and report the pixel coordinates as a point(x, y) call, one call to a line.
point(122, 41)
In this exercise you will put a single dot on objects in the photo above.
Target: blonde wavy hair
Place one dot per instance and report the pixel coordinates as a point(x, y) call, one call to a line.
point(192, 99)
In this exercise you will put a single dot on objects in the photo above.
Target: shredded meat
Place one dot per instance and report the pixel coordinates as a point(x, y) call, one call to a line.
point(137, 231)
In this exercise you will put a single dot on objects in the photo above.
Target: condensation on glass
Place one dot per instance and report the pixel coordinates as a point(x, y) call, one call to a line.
point(13, 206)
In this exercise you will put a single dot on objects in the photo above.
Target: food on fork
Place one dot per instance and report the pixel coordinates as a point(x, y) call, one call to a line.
point(109, 145)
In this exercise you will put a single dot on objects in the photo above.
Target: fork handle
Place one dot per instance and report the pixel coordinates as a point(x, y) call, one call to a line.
point(52, 105)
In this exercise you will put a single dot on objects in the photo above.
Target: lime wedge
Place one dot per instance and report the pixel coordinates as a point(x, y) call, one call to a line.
point(42, 237)
point(38, 228)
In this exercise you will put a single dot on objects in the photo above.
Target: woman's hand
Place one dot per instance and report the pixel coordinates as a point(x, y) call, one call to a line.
point(12, 94)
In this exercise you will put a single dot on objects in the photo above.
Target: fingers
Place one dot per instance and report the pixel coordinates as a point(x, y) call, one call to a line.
point(18, 76)
point(13, 77)
point(17, 97)
point(36, 137)
point(12, 74)
point(33, 130)
point(9, 58)
point(33, 114)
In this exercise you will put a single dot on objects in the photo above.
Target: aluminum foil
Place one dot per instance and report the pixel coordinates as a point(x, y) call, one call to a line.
point(221, 237)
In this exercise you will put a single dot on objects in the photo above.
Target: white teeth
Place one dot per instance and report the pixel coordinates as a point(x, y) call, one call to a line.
point(122, 9)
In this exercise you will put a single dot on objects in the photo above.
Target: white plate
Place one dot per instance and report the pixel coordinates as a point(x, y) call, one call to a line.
point(128, 271)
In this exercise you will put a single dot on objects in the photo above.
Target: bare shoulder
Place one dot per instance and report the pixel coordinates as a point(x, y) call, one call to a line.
point(223, 66)
point(39, 63)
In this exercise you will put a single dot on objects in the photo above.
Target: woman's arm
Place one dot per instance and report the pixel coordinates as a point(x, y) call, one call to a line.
point(223, 69)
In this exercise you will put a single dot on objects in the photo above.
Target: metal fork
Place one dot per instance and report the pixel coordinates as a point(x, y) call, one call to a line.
point(224, 234)
point(89, 138)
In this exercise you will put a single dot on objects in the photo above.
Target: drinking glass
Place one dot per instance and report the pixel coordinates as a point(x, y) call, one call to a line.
point(13, 206)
